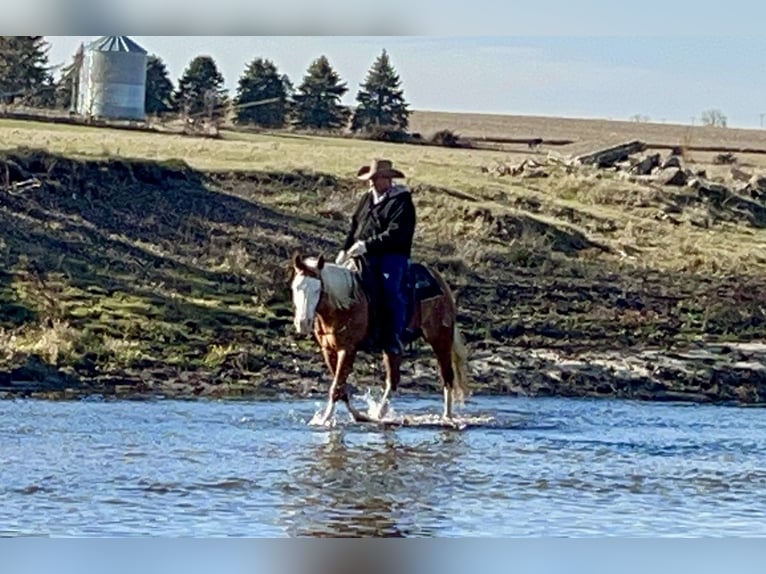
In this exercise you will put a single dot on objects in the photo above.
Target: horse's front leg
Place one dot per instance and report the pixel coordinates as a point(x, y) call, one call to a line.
point(339, 390)
point(345, 365)
point(331, 360)
point(392, 363)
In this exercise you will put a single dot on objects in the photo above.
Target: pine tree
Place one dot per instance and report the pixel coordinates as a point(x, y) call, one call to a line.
point(261, 82)
point(380, 100)
point(317, 100)
point(200, 89)
point(159, 88)
point(24, 71)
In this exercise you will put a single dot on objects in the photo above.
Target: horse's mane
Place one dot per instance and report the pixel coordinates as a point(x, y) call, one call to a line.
point(339, 282)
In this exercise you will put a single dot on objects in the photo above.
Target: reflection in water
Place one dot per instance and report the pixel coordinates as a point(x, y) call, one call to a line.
point(357, 484)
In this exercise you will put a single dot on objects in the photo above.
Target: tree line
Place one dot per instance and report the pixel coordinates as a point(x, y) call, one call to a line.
point(264, 97)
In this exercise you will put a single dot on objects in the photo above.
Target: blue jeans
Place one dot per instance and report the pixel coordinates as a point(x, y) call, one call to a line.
point(389, 272)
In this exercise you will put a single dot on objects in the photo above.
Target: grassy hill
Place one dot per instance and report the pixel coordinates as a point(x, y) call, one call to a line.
point(153, 263)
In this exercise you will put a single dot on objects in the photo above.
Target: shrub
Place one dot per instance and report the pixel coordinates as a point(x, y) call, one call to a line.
point(386, 134)
point(446, 138)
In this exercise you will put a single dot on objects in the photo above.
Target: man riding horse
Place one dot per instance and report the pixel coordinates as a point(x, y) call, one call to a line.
point(380, 239)
point(394, 294)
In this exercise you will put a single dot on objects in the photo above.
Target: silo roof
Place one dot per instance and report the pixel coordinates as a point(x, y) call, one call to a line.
point(116, 44)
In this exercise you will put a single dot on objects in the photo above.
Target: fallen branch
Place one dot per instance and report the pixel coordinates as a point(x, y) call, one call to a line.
point(609, 156)
point(19, 187)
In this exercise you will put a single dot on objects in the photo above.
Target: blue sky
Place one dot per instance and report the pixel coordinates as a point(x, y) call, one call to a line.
point(670, 78)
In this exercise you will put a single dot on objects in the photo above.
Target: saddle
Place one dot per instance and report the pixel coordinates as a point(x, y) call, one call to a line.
point(420, 285)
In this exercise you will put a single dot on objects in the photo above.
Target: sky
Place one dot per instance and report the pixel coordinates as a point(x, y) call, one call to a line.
point(665, 61)
point(667, 79)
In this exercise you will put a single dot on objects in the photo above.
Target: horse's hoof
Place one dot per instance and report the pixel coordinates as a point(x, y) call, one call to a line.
point(380, 412)
point(319, 421)
point(360, 418)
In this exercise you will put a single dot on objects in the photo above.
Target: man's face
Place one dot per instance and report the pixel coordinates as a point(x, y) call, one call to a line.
point(380, 184)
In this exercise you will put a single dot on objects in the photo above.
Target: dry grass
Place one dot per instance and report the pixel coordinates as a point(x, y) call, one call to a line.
point(52, 342)
point(239, 151)
point(607, 210)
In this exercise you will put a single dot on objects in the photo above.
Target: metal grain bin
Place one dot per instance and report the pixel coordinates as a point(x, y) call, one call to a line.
point(113, 79)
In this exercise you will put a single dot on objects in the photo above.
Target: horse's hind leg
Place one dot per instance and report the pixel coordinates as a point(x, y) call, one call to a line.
point(443, 350)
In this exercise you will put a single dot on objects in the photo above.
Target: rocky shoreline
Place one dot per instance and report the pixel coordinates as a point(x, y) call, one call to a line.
point(731, 373)
point(723, 373)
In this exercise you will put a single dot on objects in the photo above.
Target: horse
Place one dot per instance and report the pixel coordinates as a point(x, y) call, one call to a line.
point(330, 297)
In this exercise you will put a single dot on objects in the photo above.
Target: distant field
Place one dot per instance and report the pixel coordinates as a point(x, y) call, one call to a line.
point(284, 150)
point(583, 131)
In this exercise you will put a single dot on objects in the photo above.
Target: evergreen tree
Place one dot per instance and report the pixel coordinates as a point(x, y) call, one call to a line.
point(24, 71)
point(159, 88)
point(317, 100)
point(200, 89)
point(45, 94)
point(260, 82)
point(381, 99)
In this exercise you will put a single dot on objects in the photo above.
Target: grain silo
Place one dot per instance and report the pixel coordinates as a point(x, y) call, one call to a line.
point(113, 79)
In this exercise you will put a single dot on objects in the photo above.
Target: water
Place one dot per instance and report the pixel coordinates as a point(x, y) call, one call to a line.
point(552, 467)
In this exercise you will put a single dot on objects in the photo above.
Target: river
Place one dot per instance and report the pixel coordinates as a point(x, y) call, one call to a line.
point(539, 467)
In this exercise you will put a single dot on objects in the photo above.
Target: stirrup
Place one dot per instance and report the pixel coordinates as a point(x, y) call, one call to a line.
point(409, 336)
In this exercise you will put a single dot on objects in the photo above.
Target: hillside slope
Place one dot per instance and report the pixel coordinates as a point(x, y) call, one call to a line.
point(134, 276)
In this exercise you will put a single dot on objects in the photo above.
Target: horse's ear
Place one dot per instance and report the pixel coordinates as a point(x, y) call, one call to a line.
point(297, 260)
point(320, 262)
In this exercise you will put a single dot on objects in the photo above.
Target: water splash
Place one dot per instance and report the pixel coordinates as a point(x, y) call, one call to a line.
point(316, 419)
point(376, 409)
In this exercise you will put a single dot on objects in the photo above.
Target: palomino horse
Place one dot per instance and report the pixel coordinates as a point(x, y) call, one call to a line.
point(330, 298)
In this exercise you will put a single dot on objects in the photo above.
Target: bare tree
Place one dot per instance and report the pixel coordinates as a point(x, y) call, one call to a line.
point(715, 118)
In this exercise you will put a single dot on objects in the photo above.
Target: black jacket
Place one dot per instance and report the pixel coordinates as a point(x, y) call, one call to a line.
point(386, 228)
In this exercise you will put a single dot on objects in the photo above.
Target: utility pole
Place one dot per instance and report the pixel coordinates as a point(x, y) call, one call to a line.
point(762, 115)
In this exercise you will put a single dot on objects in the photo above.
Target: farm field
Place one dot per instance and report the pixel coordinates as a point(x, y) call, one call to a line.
point(585, 130)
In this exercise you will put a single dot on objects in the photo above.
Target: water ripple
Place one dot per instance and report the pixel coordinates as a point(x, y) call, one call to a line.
point(527, 467)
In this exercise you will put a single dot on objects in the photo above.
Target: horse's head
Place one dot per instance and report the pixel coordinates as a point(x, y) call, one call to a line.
point(307, 289)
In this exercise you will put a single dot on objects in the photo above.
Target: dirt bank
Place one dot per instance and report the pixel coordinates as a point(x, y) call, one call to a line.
point(138, 279)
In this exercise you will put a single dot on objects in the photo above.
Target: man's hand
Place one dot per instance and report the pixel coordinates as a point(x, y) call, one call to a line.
point(340, 258)
point(357, 249)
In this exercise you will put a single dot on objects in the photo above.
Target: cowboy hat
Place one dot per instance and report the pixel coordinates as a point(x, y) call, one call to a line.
point(378, 167)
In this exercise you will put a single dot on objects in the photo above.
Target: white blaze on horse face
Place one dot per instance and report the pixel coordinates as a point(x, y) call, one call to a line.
point(306, 292)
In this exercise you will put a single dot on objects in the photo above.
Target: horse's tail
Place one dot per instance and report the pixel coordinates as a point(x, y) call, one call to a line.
point(460, 388)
